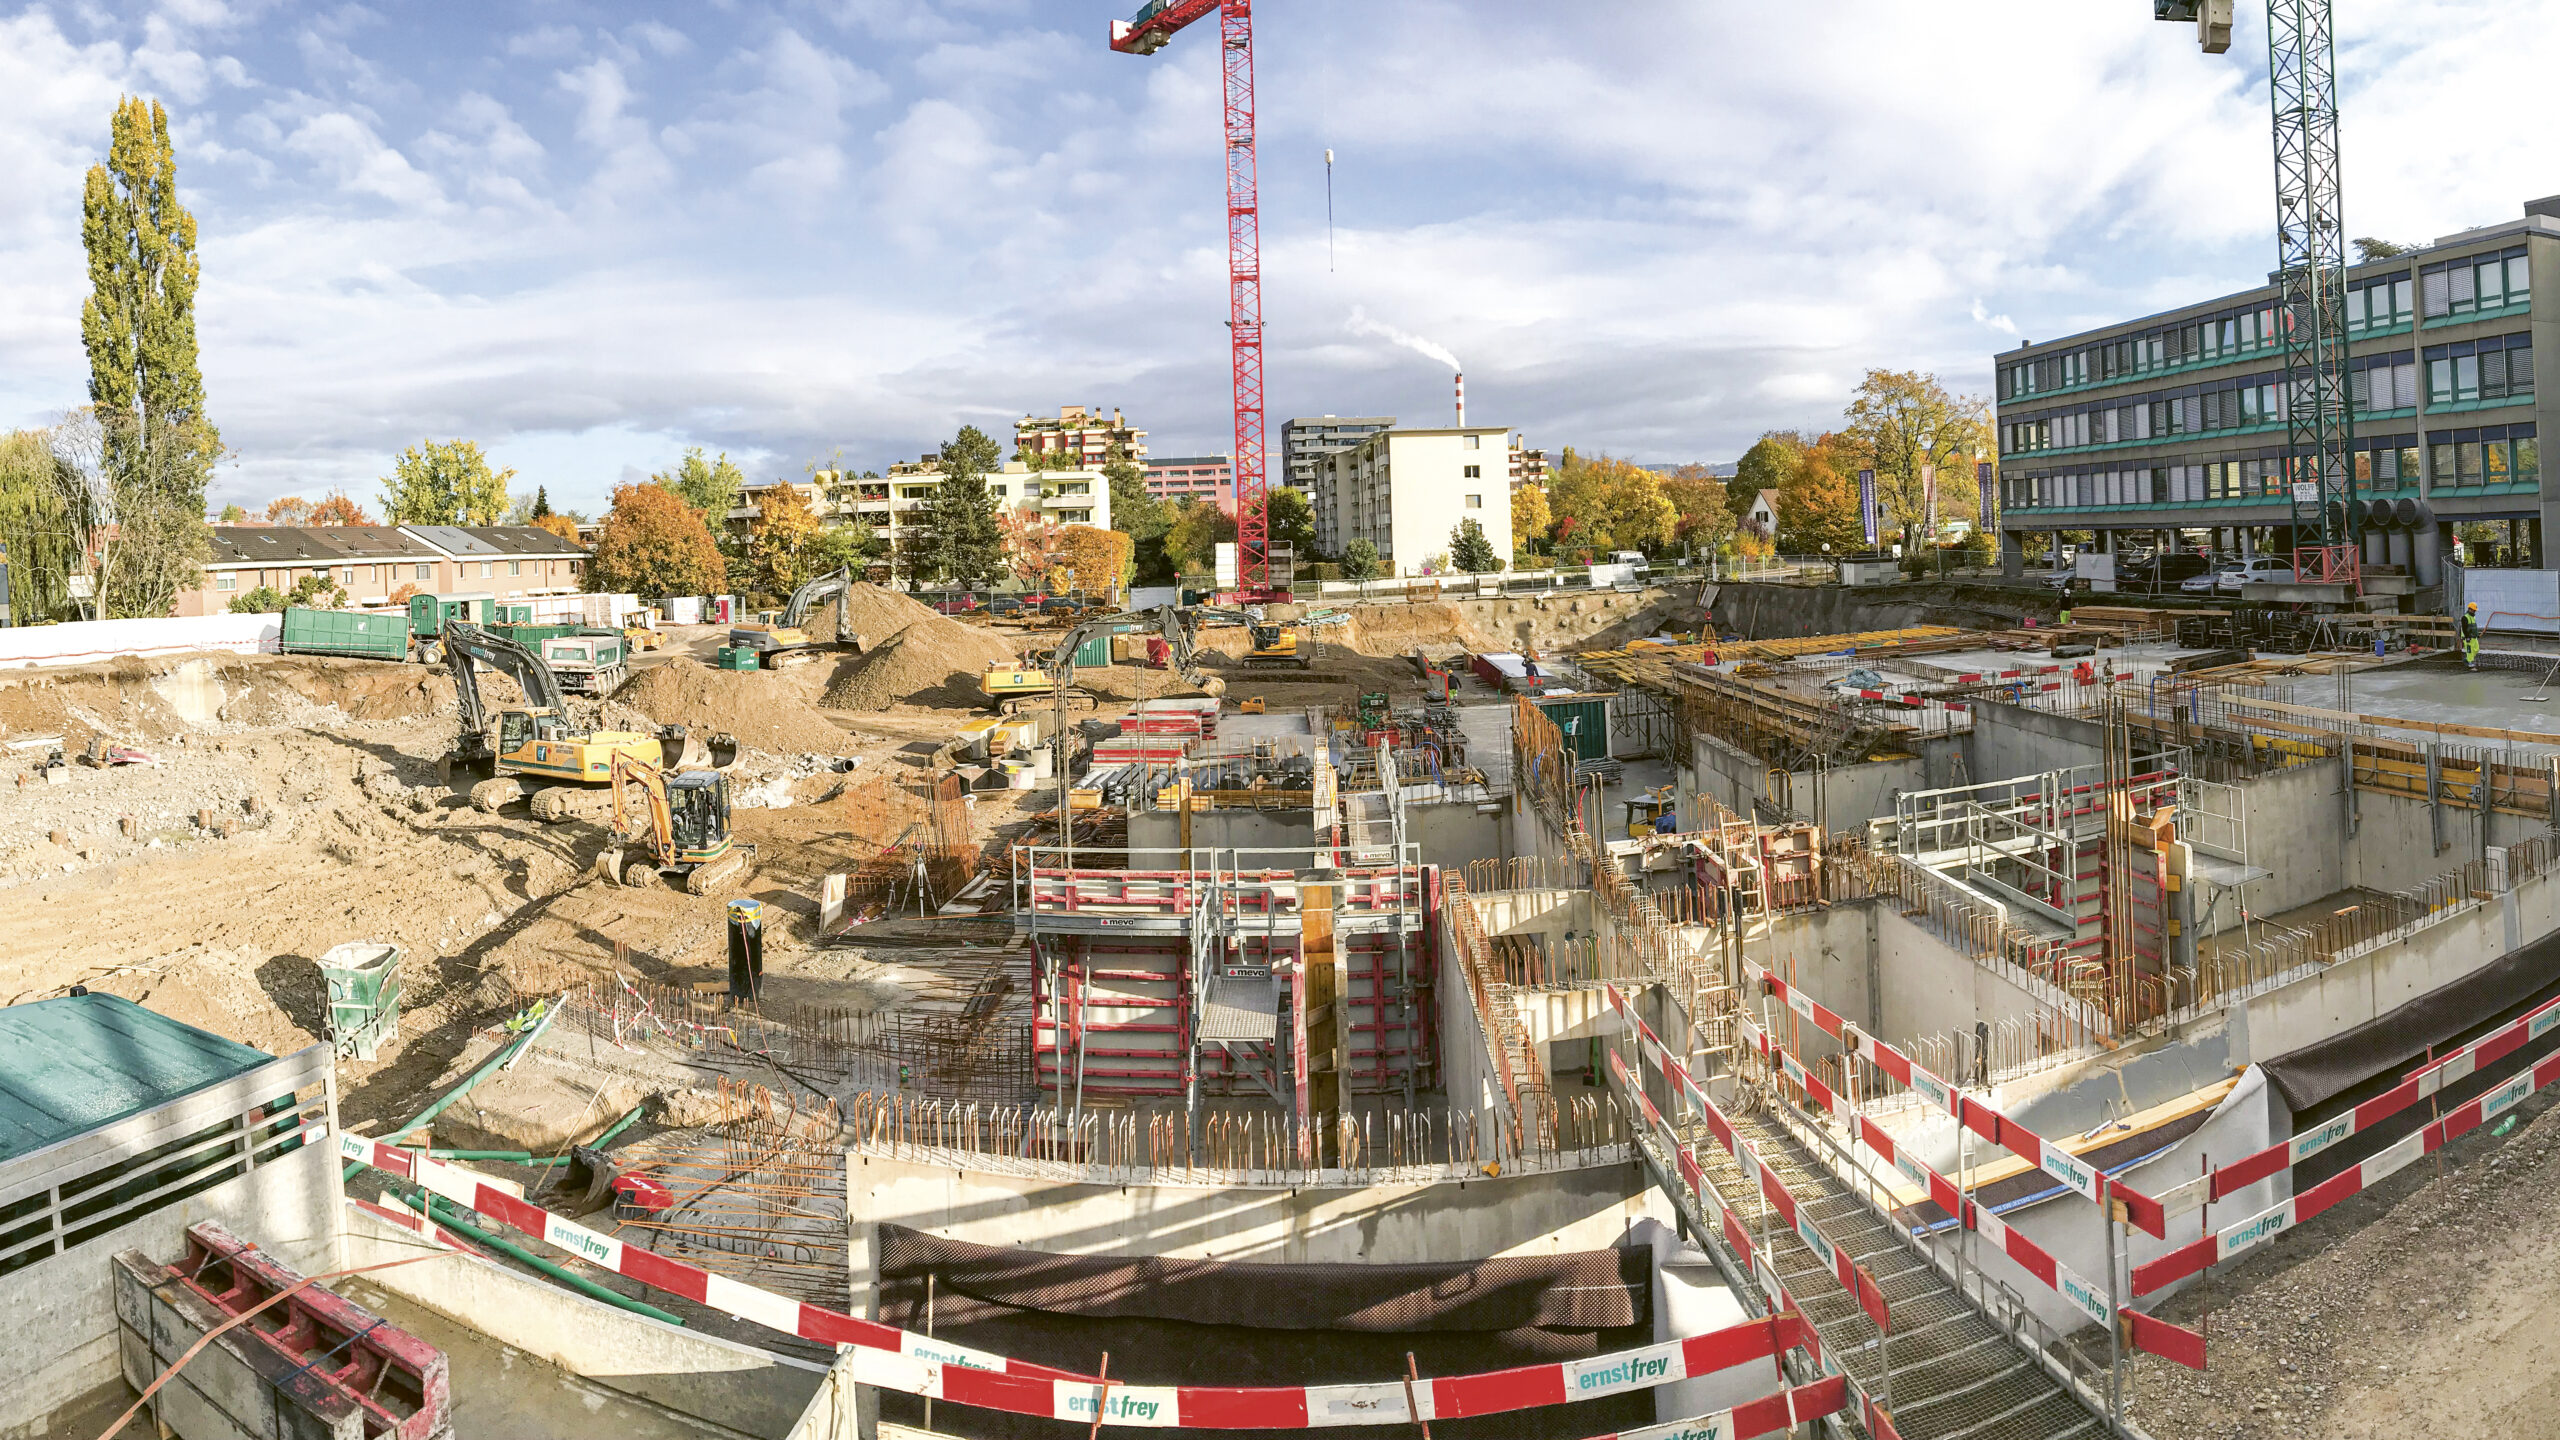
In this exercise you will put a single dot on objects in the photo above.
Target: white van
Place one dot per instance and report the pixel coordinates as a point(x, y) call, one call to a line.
point(2256, 570)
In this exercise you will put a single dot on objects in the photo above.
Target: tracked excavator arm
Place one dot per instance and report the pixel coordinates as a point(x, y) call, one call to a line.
point(466, 648)
point(1171, 621)
point(814, 594)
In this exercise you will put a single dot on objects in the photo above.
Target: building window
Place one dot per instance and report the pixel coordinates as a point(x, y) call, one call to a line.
point(426, 572)
point(346, 576)
point(2476, 283)
point(515, 567)
point(1475, 472)
point(1474, 442)
point(2379, 304)
point(487, 569)
point(226, 581)
point(2492, 455)
point(2498, 368)
point(1475, 502)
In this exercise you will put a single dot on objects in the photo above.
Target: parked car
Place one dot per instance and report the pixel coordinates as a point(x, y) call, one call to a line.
point(1060, 605)
point(960, 604)
point(2211, 580)
point(1004, 605)
point(2257, 569)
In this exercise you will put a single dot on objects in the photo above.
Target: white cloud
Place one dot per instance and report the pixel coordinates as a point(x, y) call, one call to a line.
point(346, 150)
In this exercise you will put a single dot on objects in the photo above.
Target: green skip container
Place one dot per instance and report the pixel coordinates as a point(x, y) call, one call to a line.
point(364, 996)
point(372, 635)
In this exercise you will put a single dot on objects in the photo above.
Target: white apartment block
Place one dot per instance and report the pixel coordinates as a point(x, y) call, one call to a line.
point(1404, 491)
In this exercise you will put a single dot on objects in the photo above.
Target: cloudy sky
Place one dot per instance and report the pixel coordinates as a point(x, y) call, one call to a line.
point(588, 235)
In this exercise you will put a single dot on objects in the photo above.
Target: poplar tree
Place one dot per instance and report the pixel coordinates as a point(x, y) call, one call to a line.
point(153, 448)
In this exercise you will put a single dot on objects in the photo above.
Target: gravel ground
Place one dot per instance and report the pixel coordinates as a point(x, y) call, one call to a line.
point(2423, 1307)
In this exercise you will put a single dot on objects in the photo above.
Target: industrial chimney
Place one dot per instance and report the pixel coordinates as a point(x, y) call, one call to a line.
point(1462, 400)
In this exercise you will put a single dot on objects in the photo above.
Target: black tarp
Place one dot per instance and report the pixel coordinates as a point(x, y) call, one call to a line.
point(2437, 1019)
point(1210, 1322)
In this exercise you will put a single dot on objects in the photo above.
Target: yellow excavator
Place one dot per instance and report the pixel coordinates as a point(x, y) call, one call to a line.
point(517, 749)
point(781, 640)
point(1012, 688)
point(681, 830)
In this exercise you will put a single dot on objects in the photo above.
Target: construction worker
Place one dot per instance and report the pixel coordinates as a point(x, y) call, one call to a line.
point(2471, 636)
point(2065, 617)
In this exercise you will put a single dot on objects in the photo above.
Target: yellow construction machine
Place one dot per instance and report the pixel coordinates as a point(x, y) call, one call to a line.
point(1279, 647)
point(1647, 813)
point(515, 749)
point(779, 640)
point(1011, 688)
point(681, 829)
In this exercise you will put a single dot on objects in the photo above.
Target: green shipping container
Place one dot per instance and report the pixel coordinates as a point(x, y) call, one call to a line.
point(372, 636)
point(1585, 723)
point(427, 613)
point(1094, 653)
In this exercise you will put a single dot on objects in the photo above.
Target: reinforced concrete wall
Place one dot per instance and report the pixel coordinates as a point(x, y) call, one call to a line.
point(745, 1389)
point(2295, 822)
point(1452, 833)
point(2011, 740)
point(1531, 1213)
point(1930, 989)
point(1836, 954)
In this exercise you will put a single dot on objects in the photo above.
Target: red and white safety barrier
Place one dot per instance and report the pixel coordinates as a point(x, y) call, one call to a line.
point(2231, 1240)
point(2142, 1211)
point(2157, 1336)
point(1782, 1411)
point(902, 1360)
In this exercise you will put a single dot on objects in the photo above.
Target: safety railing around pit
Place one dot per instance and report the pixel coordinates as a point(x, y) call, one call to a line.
point(1167, 1147)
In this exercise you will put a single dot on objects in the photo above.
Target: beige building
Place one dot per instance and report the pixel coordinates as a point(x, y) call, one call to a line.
point(895, 504)
point(1405, 491)
point(374, 562)
point(1080, 433)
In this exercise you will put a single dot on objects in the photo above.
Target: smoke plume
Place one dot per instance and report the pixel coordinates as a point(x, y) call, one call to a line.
point(1361, 324)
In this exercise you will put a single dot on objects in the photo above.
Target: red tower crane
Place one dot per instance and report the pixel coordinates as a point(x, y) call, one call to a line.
point(1155, 24)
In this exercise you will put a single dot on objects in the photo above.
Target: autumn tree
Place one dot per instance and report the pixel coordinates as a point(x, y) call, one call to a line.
point(778, 538)
point(1529, 518)
point(287, 510)
point(558, 524)
point(1030, 544)
point(1818, 506)
point(654, 544)
point(1703, 519)
point(338, 508)
point(1604, 504)
point(444, 482)
point(233, 515)
point(1085, 558)
point(1902, 424)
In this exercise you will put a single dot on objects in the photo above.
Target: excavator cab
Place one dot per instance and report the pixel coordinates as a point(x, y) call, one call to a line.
point(698, 814)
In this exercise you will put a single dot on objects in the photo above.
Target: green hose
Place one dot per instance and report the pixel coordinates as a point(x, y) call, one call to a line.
point(504, 1054)
point(449, 1215)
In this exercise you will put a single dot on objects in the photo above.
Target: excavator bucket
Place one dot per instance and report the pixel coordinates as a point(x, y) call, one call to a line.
point(690, 752)
point(714, 877)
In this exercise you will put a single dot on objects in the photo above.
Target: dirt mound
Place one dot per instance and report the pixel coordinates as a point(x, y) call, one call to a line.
point(933, 661)
point(876, 614)
point(754, 705)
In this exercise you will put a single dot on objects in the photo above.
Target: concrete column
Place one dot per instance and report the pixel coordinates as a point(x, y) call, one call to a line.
point(2013, 553)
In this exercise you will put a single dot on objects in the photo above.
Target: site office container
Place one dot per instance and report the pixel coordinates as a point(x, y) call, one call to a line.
point(368, 634)
point(1584, 719)
point(427, 613)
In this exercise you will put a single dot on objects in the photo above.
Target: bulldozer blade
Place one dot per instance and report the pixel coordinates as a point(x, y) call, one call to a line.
point(714, 876)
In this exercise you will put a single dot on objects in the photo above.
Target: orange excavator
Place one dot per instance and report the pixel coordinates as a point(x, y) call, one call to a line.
point(681, 830)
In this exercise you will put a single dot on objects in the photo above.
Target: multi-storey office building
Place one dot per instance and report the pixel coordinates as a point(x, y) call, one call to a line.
point(2174, 424)
point(1305, 442)
point(1209, 479)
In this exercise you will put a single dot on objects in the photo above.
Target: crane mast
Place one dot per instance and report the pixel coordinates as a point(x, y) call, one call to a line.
point(1147, 33)
point(2311, 269)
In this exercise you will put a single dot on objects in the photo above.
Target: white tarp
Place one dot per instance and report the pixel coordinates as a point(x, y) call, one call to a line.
point(87, 642)
point(2527, 600)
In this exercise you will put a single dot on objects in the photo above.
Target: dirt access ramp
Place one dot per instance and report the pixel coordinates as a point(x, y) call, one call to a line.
point(1549, 624)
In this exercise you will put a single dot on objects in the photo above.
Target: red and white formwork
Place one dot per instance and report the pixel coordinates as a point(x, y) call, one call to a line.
point(1182, 984)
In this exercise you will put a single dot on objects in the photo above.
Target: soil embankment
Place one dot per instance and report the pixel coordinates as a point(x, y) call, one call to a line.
point(1785, 612)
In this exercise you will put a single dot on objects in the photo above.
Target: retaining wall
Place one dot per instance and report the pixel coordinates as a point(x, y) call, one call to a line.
point(86, 642)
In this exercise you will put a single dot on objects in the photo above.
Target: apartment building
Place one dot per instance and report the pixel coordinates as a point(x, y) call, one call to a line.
point(1210, 479)
point(1305, 442)
point(2173, 425)
point(1081, 434)
point(1528, 467)
point(374, 562)
point(1405, 491)
point(895, 504)
point(821, 493)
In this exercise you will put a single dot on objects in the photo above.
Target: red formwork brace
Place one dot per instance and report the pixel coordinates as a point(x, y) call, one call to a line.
point(396, 1380)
